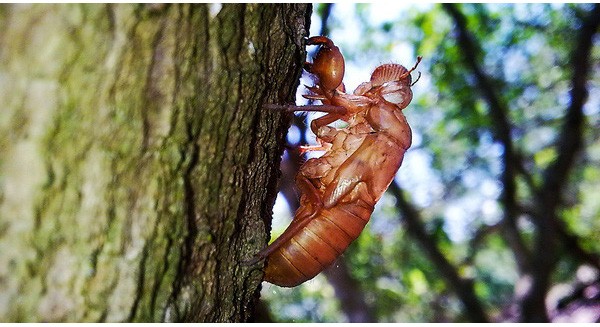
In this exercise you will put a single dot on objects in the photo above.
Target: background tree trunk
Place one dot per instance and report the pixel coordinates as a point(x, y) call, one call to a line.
point(137, 167)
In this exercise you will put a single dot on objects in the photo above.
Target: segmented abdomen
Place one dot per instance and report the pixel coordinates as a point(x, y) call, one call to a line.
point(321, 241)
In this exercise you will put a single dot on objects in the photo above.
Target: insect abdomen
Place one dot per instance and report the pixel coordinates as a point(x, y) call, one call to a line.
point(321, 241)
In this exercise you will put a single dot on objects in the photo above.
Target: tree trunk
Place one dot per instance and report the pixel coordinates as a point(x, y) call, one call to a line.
point(137, 166)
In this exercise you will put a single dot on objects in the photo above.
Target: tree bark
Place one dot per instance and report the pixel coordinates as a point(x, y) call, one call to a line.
point(137, 166)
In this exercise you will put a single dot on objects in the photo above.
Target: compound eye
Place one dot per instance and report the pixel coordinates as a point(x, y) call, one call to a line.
point(395, 98)
point(397, 93)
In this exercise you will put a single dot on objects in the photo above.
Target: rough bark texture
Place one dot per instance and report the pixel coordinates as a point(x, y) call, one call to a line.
point(137, 167)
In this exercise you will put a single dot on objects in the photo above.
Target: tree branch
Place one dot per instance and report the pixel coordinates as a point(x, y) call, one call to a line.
point(349, 292)
point(549, 196)
point(463, 288)
point(571, 138)
point(501, 133)
point(325, 18)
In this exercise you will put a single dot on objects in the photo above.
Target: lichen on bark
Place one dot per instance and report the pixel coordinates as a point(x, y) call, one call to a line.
point(138, 168)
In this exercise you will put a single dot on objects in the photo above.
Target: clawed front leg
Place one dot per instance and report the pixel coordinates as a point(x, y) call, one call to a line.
point(316, 125)
point(307, 188)
point(323, 137)
point(328, 65)
point(320, 40)
point(323, 146)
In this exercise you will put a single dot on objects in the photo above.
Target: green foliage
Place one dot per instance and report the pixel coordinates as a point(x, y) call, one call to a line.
point(313, 301)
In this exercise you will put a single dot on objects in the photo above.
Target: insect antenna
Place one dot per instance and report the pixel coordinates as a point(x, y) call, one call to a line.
point(418, 78)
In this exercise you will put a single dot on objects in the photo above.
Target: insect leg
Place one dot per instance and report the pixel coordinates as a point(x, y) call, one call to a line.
point(333, 113)
point(315, 97)
point(302, 218)
point(319, 108)
point(354, 170)
point(320, 40)
point(321, 147)
point(316, 124)
point(307, 188)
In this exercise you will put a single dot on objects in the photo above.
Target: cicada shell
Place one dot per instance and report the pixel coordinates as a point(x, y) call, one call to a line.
point(340, 189)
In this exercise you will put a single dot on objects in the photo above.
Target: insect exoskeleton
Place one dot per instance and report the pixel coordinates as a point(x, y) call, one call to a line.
point(339, 190)
point(328, 65)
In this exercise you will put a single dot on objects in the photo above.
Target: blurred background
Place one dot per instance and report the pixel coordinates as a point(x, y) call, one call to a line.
point(495, 212)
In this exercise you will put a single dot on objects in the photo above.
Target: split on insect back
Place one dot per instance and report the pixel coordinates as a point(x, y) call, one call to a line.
point(339, 189)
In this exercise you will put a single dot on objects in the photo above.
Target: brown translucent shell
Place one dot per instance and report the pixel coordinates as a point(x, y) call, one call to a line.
point(328, 65)
point(389, 72)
